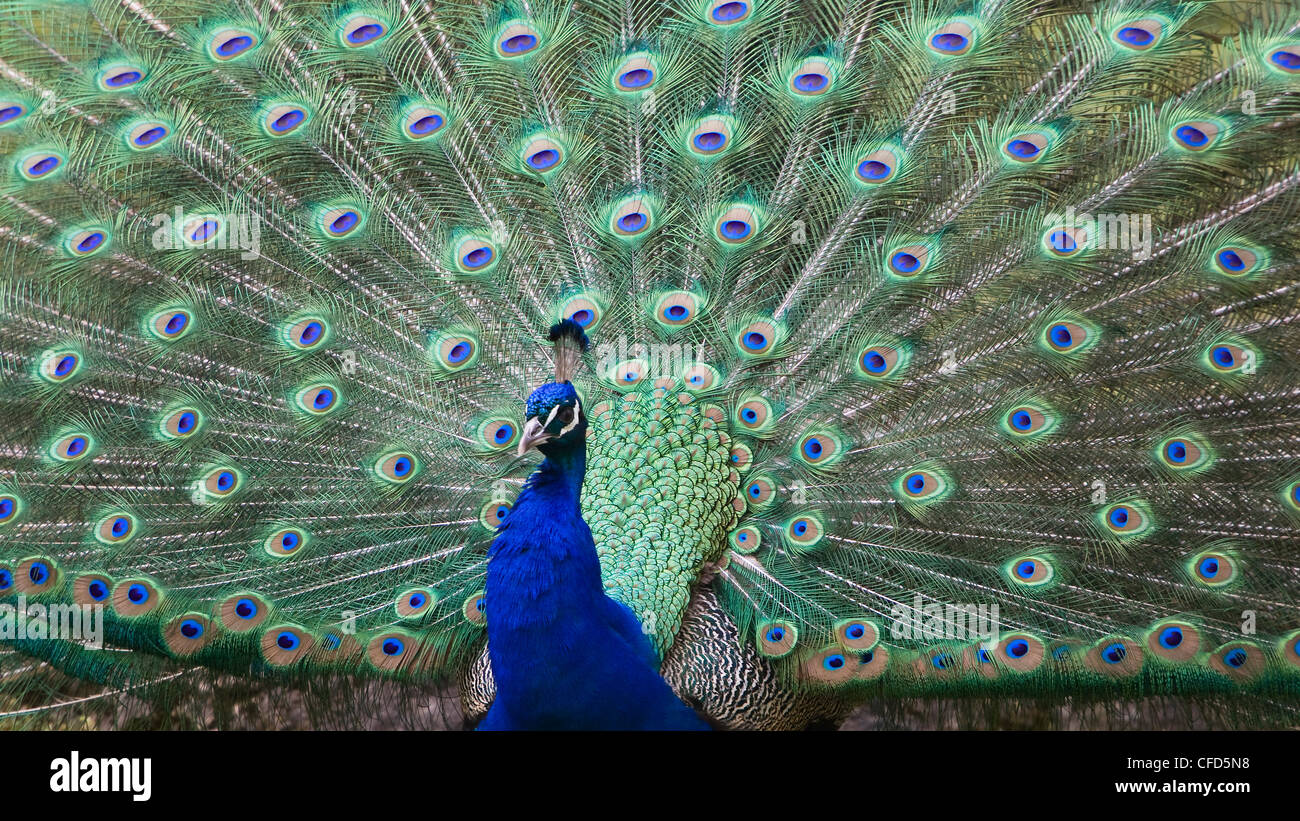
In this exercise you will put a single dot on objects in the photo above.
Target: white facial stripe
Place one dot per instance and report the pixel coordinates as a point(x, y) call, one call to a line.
point(550, 416)
point(577, 413)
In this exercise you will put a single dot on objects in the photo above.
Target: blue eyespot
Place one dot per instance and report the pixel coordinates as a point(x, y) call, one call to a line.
point(6, 580)
point(1176, 451)
point(65, 366)
point(290, 540)
point(288, 121)
point(916, 483)
point(206, 230)
point(544, 159)
point(1114, 653)
point(10, 112)
point(504, 433)
point(365, 33)
point(43, 166)
point(832, 662)
point(1192, 136)
point(123, 79)
point(730, 12)
point(97, 590)
point(1288, 60)
point(191, 629)
point(39, 573)
point(874, 362)
point(225, 480)
point(636, 78)
point(478, 257)
point(332, 641)
point(287, 641)
point(856, 631)
point(811, 82)
point(518, 44)
point(873, 170)
point(1021, 420)
point(906, 263)
point(310, 333)
point(1136, 36)
point(949, 41)
point(1171, 637)
point(416, 601)
point(812, 448)
point(1223, 356)
point(1235, 657)
point(234, 45)
point(755, 341)
point(1209, 568)
point(393, 647)
point(710, 141)
point(1061, 336)
point(632, 222)
point(425, 125)
point(1119, 516)
point(739, 229)
point(1017, 648)
point(402, 466)
point(800, 528)
point(76, 446)
point(1025, 569)
point(1063, 242)
point(677, 312)
point(776, 634)
point(344, 222)
point(150, 136)
point(90, 242)
point(459, 352)
point(1231, 260)
point(1023, 148)
point(246, 608)
point(137, 594)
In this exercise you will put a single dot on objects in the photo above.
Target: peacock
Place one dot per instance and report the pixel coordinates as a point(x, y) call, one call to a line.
point(901, 352)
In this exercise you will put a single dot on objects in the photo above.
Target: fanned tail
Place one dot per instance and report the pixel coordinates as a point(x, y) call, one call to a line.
point(894, 307)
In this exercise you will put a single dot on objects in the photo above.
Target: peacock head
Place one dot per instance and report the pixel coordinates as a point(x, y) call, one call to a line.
point(554, 420)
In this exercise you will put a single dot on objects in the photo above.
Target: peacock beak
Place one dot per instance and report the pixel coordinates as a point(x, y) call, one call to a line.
point(534, 434)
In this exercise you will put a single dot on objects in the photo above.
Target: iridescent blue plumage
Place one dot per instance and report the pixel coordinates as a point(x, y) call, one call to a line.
point(565, 655)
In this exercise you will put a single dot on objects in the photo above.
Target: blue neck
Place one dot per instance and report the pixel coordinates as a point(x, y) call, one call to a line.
point(559, 476)
point(565, 655)
point(544, 554)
